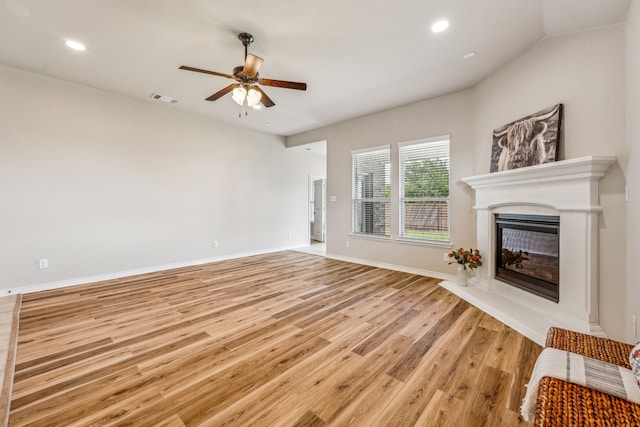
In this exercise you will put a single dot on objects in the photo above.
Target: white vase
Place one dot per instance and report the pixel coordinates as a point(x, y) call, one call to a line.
point(462, 276)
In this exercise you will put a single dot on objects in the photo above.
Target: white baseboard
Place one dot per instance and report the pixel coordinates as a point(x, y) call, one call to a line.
point(402, 268)
point(145, 270)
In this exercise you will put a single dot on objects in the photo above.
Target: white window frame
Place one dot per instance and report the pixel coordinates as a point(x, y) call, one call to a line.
point(403, 152)
point(357, 197)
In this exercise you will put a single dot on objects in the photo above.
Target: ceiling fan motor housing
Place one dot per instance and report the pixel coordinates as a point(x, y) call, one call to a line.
point(246, 39)
point(240, 76)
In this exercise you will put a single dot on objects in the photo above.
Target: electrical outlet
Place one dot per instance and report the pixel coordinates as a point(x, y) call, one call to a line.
point(43, 263)
point(289, 235)
point(445, 256)
point(347, 243)
point(216, 244)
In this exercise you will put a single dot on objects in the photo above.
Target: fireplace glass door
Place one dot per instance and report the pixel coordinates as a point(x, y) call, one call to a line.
point(527, 253)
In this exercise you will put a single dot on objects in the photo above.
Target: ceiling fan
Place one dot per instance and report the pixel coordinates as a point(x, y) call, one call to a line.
point(246, 91)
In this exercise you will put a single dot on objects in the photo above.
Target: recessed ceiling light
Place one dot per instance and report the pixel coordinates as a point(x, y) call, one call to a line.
point(72, 44)
point(440, 26)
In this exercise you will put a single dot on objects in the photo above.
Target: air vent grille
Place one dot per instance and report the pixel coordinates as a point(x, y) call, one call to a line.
point(163, 98)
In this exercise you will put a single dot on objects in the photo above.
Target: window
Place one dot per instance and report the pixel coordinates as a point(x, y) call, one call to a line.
point(371, 191)
point(424, 189)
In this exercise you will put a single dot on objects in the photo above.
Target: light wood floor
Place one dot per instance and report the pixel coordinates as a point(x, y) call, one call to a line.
point(285, 339)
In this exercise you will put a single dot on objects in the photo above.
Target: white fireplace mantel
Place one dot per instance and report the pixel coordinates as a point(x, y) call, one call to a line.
point(568, 189)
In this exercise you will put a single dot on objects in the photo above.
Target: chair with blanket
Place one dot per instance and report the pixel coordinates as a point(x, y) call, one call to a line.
point(562, 403)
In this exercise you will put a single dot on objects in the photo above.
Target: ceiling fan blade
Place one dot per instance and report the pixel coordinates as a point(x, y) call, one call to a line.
point(200, 70)
point(265, 100)
point(283, 84)
point(251, 65)
point(222, 92)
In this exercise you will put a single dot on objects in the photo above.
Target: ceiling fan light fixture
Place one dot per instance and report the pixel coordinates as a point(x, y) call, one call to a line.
point(253, 97)
point(239, 94)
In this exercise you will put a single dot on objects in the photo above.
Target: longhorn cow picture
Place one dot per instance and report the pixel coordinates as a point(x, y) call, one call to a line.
point(532, 140)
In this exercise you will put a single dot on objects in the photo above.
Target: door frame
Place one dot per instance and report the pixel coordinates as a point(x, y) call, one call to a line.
point(311, 220)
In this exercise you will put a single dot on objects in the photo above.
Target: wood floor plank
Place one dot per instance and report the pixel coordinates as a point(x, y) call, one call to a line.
point(340, 391)
point(60, 406)
point(309, 419)
point(283, 339)
point(405, 367)
point(91, 375)
point(382, 334)
point(286, 391)
point(364, 408)
point(489, 393)
point(436, 367)
point(443, 410)
point(308, 387)
point(527, 355)
point(203, 402)
point(58, 376)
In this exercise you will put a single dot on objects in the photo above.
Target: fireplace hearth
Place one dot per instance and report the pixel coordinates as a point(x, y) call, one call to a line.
point(506, 202)
point(528, 254)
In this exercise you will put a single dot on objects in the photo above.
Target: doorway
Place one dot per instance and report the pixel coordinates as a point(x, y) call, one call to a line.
point(317, 211)
point(316, 196)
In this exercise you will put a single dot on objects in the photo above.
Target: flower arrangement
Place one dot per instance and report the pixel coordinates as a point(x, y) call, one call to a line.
point(470, 258)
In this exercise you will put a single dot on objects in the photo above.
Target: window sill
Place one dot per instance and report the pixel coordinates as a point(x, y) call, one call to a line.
point(424, 242)
point(371, 237)
point(403, 240)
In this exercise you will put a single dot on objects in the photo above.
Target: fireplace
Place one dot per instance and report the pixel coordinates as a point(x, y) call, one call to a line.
point(528, 253)
point(552, 194)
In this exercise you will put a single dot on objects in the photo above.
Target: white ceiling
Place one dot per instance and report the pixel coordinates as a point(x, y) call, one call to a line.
point(356, 56)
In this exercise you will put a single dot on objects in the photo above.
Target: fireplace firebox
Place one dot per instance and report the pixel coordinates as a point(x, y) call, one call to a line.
point(527, 253)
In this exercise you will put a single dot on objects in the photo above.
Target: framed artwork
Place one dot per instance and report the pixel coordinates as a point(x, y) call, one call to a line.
point(532, 140)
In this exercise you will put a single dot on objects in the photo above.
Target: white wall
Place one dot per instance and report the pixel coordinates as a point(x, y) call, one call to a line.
point(584, 71)
point(99, 184)
point(441, 116)
point(632, 167)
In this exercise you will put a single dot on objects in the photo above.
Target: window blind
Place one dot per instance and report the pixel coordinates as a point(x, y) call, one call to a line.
point(371, 192)
point(424, 189)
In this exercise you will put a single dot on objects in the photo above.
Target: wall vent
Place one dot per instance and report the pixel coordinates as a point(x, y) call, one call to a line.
point(163, 98)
